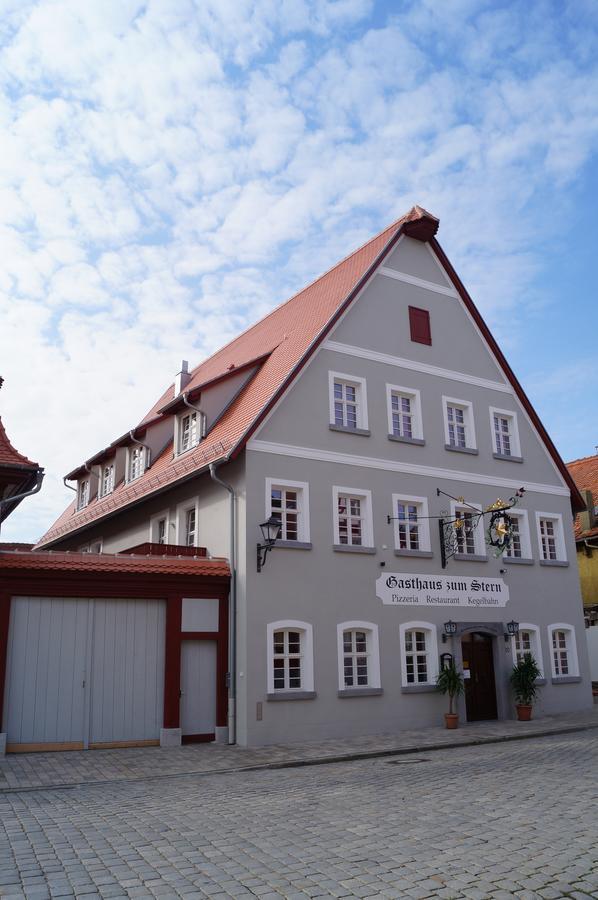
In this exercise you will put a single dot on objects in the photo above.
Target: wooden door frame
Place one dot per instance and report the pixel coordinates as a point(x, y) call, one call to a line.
point(501, 657)
point(489, 639)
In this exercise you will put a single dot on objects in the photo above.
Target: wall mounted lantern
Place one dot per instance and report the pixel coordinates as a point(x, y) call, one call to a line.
point(512, 630)
point(270, 531)
point(450, 628)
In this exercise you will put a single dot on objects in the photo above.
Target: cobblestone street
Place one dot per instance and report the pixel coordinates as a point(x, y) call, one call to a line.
point(513, 819)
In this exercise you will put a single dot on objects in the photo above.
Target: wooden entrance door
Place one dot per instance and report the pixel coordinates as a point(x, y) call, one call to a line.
point(480, 687)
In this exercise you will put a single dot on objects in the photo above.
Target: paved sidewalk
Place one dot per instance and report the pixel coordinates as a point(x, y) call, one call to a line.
point(35, 770)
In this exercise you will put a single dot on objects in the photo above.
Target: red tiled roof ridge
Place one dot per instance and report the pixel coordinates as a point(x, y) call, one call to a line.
point(583, 459)
point(9, 455)
point(276, 309)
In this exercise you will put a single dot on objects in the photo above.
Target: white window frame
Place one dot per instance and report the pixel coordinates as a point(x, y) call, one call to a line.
point(415, 396)
point(154, 526)
point(130, 449)
point(302, 488)
point(468, 421)
point(361, 397)
point(367, 530)
point(103, 467)
point(306, 650)
point(536, 645)
point(525, 540)
point(432, 653)
point(513, 431)
point(372, 651)
point(423, 520)
point(573, 661)
point(561, 550)
point(478, 534)
point(83, 497)
point(181, 522)
point(87, 548)
point(178, 431)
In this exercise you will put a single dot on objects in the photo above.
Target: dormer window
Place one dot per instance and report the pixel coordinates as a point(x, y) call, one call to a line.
point(106, 479)
point(189, 431)
point(135, 462)
point(83, 493)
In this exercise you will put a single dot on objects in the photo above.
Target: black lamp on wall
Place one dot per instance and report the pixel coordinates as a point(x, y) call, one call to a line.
point(450, 628)
point(270, 532)
point(512, 630)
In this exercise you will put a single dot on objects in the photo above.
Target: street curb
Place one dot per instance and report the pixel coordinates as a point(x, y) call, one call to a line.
point(303, 763)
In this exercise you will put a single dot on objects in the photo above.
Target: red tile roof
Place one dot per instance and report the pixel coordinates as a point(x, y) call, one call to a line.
point(585, 475)
point(11, 457)
point(63, 561)
point(287, 336)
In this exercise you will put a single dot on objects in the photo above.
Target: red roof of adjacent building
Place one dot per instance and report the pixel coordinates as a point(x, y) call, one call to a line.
point(11, 457)
point(285, 340)
point(64, 561)
point(585, 475)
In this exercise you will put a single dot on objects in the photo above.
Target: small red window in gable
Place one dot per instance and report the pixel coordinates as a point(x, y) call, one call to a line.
point(419, 323)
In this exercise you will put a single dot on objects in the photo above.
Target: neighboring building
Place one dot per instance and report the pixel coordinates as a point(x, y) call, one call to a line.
point(585, 474)
point(88, 642)
point(357, 399)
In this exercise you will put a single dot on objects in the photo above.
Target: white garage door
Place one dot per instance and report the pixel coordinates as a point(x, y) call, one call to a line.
point(127, 671)
point(84, 672)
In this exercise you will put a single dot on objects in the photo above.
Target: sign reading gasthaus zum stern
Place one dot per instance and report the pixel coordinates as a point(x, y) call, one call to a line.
point(405, 589)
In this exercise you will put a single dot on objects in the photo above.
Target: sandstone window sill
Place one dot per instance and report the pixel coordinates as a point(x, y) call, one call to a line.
point(419, 442)
point(517, 561)
point(360, 692)
point(421, 554)
point(562, 563)
point(347, 548)
point(507, 458)
point(291, 695)
point(293, 545)
point(418, 689)
point(364, 432)
point(470, 557)
point(470, 450)
point(566, 679)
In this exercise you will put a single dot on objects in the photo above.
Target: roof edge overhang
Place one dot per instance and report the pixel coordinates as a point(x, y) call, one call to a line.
point(109, 451)
point(577, 501)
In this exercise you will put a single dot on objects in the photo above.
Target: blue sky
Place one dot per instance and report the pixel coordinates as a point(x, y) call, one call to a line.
point(171, 171)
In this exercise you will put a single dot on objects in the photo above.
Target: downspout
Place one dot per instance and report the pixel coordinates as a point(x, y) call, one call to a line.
point(232, 618)
point(39, 476)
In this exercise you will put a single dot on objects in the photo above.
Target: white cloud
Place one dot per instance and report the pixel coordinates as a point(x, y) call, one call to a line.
point(171, 171)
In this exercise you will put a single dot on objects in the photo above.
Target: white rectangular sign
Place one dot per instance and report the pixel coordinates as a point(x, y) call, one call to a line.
point(405, 589)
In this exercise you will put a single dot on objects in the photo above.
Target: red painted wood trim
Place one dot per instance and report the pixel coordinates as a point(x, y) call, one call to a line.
point(199, 635)
point(198, 738)
point(4, 623)
point(172, 663)
point(577, 501)
point(49, 583)
point(222, 664)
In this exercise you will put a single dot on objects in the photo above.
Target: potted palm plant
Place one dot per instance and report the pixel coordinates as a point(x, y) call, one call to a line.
point(450, 681)
point(523, 683)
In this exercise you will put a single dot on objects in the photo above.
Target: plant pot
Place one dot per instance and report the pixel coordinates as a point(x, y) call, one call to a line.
point(524, 712)
point(451, 720)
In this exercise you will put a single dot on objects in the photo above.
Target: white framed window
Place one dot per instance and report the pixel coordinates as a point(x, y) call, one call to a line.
point(106, 482)
point(505, 432)
point(459, 428)
point(520, 547)
point(353, 525)
point(348, 401)
point(412, 526)
point(290, 656)
point(551, 540)
point(187, 518)
point(288, 501)
point(358, 655)
point(159, 528)
point(136, 461)
point(189, 430)
point(470, 540)
point(563, 650)
point(419, 654)
point(93, 547)
point(527, 641)
point(404, 412)
point(83, 488)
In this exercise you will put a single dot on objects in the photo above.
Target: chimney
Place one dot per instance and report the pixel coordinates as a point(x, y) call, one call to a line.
point(182, 379)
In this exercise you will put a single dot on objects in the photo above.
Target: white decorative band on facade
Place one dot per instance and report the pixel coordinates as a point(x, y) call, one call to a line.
point(418, 282)
point(391, 465)
point(425, 368)
point(406, 589)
